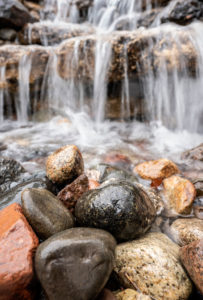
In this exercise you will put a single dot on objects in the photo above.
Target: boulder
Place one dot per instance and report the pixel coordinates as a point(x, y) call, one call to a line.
point(65, 164)
point(156, 169)
point(119, 207)
point(13, 14)
point(72, 192)
point(179, 194)
point(151, 265)
point(198, 184)
point(186, 231)
point(46, 214)
point(184, 12)
point(75, 264)
point(192, 258)
point(18, 243)
point(8, 34)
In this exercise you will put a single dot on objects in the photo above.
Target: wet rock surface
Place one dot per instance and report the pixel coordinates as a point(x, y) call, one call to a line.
point(72, 192)
point(65, 164)
point(191, 257)
point(151, 264)
point(120, 208)
point(180, 194)
point(194, 154)
point(156, 169)
point(17, 245)
point(186, 231)
point(46, 214)
point(75, 264)
point(13, 14)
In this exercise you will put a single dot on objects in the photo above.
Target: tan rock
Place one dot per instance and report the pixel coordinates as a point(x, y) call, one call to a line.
point(156, 169)
point(129, 294)
point(179, 193)
point(151, 265)
point(65, 164)
point(93, 184)
point(186, 231)
point(192, 258)
point(17, 246)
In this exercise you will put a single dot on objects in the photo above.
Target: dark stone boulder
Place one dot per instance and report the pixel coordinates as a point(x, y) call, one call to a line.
point(7, 34)
point(46, 214)
point(75, 264)
point(13, 14)
point(120, 208)
point(184, 12)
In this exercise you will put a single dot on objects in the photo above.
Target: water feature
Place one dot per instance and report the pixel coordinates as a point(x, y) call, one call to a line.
point(86, 72)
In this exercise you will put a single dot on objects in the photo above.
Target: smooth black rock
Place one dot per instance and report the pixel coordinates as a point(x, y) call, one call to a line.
point(45, 213)
point(120, 208)
point(75, 264)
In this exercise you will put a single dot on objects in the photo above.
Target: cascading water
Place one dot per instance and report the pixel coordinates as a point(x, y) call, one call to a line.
point(103, 56)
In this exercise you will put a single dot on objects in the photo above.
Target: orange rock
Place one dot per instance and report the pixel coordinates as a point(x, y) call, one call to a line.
point(118, 160)
point(93, 184)
point(156, 169)
point(17, 245)
point(191, 257)
point(180, 193)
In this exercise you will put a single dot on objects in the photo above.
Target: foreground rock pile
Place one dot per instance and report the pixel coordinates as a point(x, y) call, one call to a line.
point(99, 236)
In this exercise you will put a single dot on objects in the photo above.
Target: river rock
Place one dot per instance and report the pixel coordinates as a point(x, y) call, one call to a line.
point(120, 208)
point(151, 265)
point(192, 259)
point(198, 184)
point(184, 12)
point(18, 243)
point(75, 264)
point(7, 34)
point(46, 214)
point(106, 295)
point(130, 294)
point(156, 169)
point(13, 14)
point(119, 161)
point(65, 164)
point(179, 193)
point(195, 153)
point(186, 231)
point(72, 192)
point(93, 184)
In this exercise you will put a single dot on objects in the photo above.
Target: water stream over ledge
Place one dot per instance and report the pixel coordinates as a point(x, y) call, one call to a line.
point(93, 85)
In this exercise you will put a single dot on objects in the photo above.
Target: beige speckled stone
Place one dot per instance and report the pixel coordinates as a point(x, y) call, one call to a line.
point(65, 164)
point(186, 231)
point(156, 169)
point(151, 265)
point(130, 294)
point(179, 193)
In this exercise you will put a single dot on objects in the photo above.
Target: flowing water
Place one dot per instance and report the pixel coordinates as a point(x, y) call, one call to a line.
point(74, 93)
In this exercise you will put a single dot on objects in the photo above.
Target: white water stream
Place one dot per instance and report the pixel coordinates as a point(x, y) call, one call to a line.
point(172, 100)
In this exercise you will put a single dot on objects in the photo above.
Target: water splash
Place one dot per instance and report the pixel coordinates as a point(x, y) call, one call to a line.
point(2, 83)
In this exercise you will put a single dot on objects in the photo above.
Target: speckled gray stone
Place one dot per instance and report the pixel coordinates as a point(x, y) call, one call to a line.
point(75, 264)
point(46, 214)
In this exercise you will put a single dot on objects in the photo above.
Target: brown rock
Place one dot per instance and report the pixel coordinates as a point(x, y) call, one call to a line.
point(192, 259)
point(186, 231)
point(17, 246)
point(93, 184)
point(106, 295)
point(198, 211)
point(65, 164)
point(130, 294)
point(72, 192)
point(180, 194)
point(156, 169)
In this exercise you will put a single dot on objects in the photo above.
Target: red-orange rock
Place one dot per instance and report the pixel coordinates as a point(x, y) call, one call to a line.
point(156, 169)
point(17, 246)
point(93, 184)
point(192, 258)
point(180, 194)
point(72, 192)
